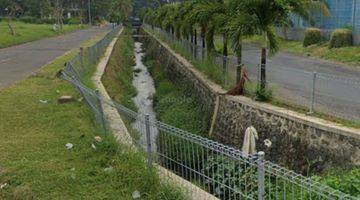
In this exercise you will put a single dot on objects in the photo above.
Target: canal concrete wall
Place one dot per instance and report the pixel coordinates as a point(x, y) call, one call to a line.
point(298, 141)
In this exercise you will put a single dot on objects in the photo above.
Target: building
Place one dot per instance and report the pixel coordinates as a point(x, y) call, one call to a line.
point(344, 14)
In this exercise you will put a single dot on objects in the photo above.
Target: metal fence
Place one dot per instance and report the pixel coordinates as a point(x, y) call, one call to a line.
point(220, 170)
point(317, 91)
point(82, 67)
point(83, 64)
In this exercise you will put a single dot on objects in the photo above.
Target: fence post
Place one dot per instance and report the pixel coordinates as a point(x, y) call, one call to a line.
point(101, 111)
point(225, 68)
point(261, 175)
point(312, 103)
point(148, 140)
point(82, 57)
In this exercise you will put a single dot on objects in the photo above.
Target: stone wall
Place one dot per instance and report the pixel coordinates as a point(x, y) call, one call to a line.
point(299, 142)
point(181, 72)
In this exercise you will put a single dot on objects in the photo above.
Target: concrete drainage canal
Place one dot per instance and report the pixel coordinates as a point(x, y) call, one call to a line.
point(207, 163)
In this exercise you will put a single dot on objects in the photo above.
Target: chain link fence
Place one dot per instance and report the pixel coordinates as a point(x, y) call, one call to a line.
point(317, 92)
point(220, 170)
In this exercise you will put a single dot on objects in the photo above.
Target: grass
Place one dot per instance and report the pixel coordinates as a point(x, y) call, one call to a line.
point(118, 78)
point(346, 55)
point(177, 105)
point(34, 163)
point(346, 181)
point(119, 72)
point(29, 32)
point(207, 66)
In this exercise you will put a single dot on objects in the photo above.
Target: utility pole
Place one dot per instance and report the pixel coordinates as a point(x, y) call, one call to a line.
point(89, 11)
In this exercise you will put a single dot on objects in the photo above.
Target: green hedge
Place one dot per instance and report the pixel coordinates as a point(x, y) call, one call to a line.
point(341, 38)
point(74, 20)
point(312, 36)
point(35, 20)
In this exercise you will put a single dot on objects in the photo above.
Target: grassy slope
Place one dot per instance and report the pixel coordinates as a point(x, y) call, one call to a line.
point(35, 163)
point(177, 105)
point(29, 32)
point(119, 72)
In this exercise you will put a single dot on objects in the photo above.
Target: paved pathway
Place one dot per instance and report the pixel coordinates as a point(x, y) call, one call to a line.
point(21, 61)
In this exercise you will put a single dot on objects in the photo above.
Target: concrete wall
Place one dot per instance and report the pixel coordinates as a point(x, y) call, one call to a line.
point(298, 141)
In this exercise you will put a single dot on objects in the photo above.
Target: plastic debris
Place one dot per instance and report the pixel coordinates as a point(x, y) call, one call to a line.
point(69, 146)
point(66, 99)
point(267, 143)
point(109, 169)
point(93, 146)
point(98, 138)
point(2, 186)
point(44, 101)
point(136, 195)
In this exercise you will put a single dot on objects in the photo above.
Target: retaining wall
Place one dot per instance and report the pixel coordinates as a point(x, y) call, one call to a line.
point(299, 141)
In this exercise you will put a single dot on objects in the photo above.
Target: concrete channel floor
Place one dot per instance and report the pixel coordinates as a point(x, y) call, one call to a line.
point(20, 61)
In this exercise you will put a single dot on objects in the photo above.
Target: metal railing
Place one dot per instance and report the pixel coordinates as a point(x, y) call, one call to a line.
point(220, 170)
point(334, 95)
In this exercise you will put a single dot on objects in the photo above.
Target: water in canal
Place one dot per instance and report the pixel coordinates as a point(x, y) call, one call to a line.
point(144, 84)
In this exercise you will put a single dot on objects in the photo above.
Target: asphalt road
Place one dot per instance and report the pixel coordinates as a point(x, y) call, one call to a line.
point(20, 61)
point(337, 86)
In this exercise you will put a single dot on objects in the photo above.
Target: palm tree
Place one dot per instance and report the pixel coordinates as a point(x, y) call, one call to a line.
point(238, 26)
point(210, 15)
point(261, 17)
point(121, 9)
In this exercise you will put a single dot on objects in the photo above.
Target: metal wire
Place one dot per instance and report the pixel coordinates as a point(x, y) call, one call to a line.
point(220, 170)
point(334, 95)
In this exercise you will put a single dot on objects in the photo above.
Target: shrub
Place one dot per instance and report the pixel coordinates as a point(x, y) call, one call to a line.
point(48, 21)
point(30, 20)
point(341, 38)
point(74, 20)
point(312, 36)
point(263, 94)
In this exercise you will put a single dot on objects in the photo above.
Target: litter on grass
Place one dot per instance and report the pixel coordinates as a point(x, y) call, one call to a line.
point(136, 194)
point(109, 169)
point(44, 101)
point(69, 146)
point(2, 186)
point(98, 138)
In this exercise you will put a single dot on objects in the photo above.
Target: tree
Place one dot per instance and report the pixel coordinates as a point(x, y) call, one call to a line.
point(12, 9)
point(120, 10)
point(261, 17)
point(59, 16)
